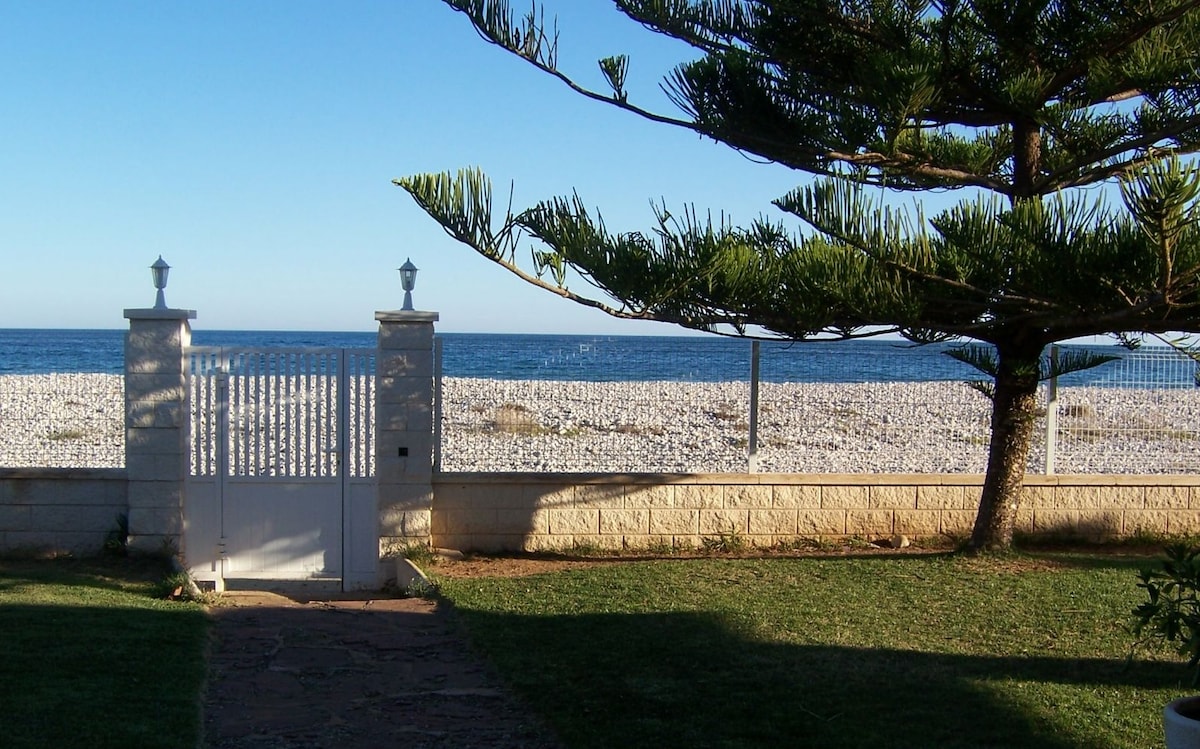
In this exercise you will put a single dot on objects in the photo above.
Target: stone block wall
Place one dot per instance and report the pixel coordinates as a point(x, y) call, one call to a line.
point(52, 511)
point(536, 512)
point(404, 427)
point(155, 428)
point(58, 510)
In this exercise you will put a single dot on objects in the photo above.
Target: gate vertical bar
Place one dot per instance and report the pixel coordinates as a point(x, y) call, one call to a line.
point(311, 445)
point(343, 453)
point(292, 364)
point(252, 410)
point(321, 390)
point(221, 375)
point(272, 445)
point(331, 416)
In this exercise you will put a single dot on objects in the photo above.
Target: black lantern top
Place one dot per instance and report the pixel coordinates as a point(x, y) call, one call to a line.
point(159, 272)
point(408, 280)
point(408, 275)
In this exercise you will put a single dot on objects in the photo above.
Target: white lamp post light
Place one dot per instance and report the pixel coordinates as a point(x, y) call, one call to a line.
point(159, 272)
point(408, 281)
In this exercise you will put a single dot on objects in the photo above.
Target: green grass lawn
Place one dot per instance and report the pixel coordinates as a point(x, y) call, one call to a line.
point(917, 651)
point(89, 658)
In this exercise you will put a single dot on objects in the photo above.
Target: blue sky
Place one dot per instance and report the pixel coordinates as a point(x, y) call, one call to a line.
point(253, 145)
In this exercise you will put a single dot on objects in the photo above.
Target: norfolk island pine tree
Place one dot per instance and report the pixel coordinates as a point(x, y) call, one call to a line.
point(1021, 102)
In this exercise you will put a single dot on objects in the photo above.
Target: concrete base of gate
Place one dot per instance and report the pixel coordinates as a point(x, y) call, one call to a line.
point(297, 590)
point(409, 575)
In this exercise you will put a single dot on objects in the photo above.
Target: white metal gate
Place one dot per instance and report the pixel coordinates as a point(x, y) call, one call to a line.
point(281, 465)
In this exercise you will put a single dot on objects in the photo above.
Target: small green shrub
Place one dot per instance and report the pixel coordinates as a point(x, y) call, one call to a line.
point(513, 418)
point(420, 588)
point(418, 553)
point(1077, 411)
point(635, 429)
point(1171, 613)
point(64, 435)
point(579, 548)
point(726, 412)
point(661, 547)
point(176, 586)
point(116, 542)
point(731, 542)
point(806, 544)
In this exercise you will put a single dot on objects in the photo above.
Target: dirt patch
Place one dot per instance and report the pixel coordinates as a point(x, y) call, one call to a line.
point(508, 566)
point(522, 565)
point(1028, 560)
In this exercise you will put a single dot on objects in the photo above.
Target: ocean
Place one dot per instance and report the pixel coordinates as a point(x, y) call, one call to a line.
point(607, 358)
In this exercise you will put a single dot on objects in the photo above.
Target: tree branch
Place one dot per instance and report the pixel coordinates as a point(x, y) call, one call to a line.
point(909, 166)
point(1115, 44)
point(1057, 180)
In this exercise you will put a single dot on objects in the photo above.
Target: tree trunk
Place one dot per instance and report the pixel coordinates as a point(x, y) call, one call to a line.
point(1014, 412)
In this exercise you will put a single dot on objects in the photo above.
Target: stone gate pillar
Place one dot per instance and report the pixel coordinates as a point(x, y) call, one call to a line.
point(155, 426)
point(404, 428)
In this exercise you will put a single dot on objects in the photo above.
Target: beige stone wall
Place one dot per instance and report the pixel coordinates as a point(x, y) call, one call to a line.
point(60, 510)
point(403, 429)
point(72, 510)
point(155, 425)
point(532, 512)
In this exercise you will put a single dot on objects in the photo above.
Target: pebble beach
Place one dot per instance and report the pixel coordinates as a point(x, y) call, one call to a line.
point(76, 420)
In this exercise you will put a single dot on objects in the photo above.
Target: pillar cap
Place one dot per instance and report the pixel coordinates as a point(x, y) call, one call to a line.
point(406, 316)
point(160, 314)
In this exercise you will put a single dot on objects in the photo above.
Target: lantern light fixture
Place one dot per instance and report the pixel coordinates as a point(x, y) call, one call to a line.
point(159, 272)
point(408, 281)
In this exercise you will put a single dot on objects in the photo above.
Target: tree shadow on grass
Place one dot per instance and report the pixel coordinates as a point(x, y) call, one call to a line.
point(1092, 556)
point(687, 679)
point(101, 573)
point(100, 676)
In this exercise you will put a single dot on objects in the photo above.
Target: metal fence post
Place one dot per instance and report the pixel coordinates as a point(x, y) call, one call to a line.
point(752, 437)
point(221, 469)
point(1052, 411)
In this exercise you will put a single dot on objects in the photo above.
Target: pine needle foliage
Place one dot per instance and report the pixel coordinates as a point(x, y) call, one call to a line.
point(1020, 102)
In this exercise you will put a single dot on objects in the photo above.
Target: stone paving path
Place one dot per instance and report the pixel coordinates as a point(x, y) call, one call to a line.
point(363, 674)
